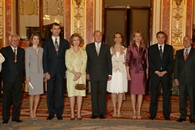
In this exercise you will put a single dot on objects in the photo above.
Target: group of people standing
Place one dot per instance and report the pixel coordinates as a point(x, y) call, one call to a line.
point(109, 69)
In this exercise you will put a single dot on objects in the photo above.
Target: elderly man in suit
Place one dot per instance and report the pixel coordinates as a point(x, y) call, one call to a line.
point(161, 64)
point(12, 70)
point(99, 71)
point(185, 78)
point(54, 69)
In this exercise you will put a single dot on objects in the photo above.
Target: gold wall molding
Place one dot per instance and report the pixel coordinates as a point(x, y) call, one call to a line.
point(53, 7)
point(1, 24)
point(78, 17)
point(98, 15)
point(177, 22)
point(29, 7)
point(157, 17)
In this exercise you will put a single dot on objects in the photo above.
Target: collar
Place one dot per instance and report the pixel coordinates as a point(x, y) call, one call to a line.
point(98, 44)
point(161, 45)
point(53, 38)
point(13, 47)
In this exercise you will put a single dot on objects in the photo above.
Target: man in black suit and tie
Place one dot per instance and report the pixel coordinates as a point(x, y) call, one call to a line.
point(161, 64)
point(12, 70)
point(99, 71)
point(54, 69)
point(185, 78)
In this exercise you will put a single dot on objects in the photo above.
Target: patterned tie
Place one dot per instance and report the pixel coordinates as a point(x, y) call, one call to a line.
point(15, 55)
point(98, 49)
point(161, 53)
point(186, 55)
point(56, 45)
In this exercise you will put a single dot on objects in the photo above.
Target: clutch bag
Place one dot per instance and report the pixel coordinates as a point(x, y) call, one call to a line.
point(80, 86)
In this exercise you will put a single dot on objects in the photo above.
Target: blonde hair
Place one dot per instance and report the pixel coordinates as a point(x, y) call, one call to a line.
point(133, 36)
point(75, 35)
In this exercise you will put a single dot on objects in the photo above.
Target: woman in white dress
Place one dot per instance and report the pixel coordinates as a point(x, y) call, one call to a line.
point(118, 85)
point(34, 72)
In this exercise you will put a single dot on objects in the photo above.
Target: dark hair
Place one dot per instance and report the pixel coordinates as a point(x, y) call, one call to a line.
point(55, 24)
point(160, 32)
point(31, 39)
point(141, 42)
point(122, 37)
point(75, 35)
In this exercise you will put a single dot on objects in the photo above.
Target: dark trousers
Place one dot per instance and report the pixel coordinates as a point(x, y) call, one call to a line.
point(155, 81)
point(55, 95)
point(184, 91)
point(98, 104)
point(11, 89)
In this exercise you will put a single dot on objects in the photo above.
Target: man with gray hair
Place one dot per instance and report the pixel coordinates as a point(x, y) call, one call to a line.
point(12, 70)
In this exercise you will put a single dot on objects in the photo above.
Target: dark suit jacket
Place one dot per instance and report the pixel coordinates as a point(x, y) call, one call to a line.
point(10, 69)
point(155, 62)
point(53, 63)
point(98, 67)
point(185, 70)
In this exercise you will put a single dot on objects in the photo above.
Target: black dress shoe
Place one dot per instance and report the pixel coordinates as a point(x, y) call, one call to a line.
point(17, 120)
point(151, 118)
point(59, 117)
point(5, 121)
point(50, 117)
point(102, 116)
point(192, 120)
point(181, 120)
point(93, 117)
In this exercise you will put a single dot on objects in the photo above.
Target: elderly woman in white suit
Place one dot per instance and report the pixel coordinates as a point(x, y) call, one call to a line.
point(76, 59)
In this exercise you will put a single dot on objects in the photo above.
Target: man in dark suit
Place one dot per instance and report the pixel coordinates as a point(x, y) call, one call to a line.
point(185, 78)
point(54, 69)
point(161, 64)
point(12, 70)
point(99, 71)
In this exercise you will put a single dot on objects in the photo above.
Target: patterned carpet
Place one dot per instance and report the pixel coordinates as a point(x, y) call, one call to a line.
point(110, 123)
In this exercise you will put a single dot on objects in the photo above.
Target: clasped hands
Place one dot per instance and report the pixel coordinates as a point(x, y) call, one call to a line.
point(160, 74)
point(77, 75)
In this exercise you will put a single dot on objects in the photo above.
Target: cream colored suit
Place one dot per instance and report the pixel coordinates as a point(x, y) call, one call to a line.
point(76, 61)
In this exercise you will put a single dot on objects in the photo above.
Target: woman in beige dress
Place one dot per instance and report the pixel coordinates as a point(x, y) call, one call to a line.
point(76, 59)
point(34, 72)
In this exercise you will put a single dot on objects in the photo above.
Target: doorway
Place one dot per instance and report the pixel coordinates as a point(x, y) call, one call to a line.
point(127, 20)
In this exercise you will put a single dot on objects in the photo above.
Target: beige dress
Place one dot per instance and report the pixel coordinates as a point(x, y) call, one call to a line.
point(76, 61)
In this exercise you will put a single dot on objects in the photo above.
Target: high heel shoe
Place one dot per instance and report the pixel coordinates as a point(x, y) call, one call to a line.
point(139, 117)
point(118, 116)
point(134, 115)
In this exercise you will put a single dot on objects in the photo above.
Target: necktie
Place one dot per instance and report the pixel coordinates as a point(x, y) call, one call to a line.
point(15, 56)
point(56, 44)
point(186, 54)
point(98, 49)
point(161, 53)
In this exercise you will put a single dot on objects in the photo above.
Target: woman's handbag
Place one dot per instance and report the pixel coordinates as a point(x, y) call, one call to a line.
point(80, 86)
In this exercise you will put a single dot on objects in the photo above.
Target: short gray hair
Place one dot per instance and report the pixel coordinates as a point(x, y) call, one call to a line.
point(12, 35)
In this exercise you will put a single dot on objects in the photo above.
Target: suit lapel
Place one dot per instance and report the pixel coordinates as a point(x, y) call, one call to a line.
point(52, 45)
point(94, 49)
point(11, 52)
point(59, 47)
point(190, 54)
point(157, 51)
